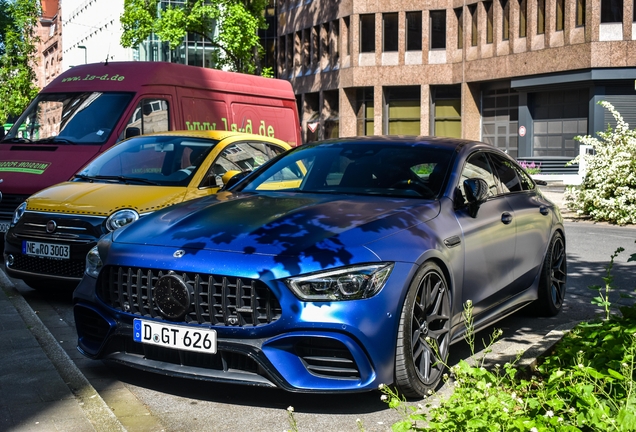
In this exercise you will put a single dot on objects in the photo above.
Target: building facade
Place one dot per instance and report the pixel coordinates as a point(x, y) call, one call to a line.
point(522, 75)
point(92, 32)
point(48, 63)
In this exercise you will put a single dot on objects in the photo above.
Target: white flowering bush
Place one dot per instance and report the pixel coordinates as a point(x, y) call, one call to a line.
point(608, 190)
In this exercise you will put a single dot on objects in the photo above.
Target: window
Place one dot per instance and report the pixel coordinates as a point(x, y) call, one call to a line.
point(347, 30)
point(438, 29)
point(611, 11)
point(478, 166)
point(389, 32)
point(489, 29)
point(523, 18)
point(540, 16)
point(334, 53)
point(414, 31)
point(507, 178)
point(330, 109)
point(473, 25)
point(150, 116)
point(580, 13)
point(242, 156)
point(459, 13)
point(560, 16)
point(367, 33)
point(402, 110)
point(505, 25)
point(365, 112)
point(447, 111)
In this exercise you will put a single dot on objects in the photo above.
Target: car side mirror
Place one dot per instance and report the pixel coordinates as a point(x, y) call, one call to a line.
point(231, 178)
point(476, 191)
point(132, 132)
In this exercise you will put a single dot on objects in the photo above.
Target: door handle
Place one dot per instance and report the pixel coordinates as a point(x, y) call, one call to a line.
point(544, 210)
point(506, 218)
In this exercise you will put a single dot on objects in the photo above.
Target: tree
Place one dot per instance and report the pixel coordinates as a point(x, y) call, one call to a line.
point(237, 22)
point(18, 19)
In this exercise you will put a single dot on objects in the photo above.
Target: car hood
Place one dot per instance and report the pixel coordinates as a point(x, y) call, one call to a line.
point(102, 199)
point(276, 223)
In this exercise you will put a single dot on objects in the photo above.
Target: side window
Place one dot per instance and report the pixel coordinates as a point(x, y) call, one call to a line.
point(477, 166)
point(242, 156)
point(508, 179)
point(150, 116)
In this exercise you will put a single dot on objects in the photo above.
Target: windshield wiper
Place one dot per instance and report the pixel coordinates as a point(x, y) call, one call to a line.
point(122, 179)
point(17, 140)
point(55, 139)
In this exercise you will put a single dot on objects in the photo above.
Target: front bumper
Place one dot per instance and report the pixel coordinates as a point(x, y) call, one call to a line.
point(79, 233)
point(344, 346)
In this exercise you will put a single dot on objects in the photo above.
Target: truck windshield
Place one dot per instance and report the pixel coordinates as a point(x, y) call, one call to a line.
point(73, 118)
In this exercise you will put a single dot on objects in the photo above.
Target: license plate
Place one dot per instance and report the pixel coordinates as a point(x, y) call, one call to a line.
point(46, 250)
point(174, 336)
point(4, 226)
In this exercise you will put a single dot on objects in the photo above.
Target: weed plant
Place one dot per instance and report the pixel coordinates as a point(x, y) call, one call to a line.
point(586, 383)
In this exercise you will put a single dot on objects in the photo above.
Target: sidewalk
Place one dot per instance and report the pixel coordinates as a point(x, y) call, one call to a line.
point(41, 389)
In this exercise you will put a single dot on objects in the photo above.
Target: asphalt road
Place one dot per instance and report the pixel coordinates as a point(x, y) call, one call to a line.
point(149, 402)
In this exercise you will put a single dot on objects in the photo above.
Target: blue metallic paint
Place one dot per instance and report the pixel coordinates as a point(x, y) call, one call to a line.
point(273, 235)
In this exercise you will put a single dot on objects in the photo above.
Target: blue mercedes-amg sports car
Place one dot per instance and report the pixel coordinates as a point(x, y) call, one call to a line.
point(337, 266)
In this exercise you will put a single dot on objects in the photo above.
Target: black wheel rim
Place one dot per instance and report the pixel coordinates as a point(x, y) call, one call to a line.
point(558, 272)
point(430, 320)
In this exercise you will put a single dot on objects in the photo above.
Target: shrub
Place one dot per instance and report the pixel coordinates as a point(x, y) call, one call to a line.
point(530, 167)
point(608, 190)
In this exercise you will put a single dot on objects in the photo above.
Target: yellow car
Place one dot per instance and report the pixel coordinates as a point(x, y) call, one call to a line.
point(52, 231)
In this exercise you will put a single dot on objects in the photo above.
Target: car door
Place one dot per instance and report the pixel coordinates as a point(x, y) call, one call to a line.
point(488, 240)
point(532, 216)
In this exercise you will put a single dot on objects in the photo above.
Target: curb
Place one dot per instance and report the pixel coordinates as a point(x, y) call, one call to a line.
point(96, 410)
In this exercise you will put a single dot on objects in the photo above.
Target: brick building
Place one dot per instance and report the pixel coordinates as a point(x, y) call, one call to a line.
point(522, 75)
point(49, 50)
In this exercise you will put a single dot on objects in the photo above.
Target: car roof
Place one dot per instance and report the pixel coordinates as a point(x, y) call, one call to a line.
point(450, 143)
point(216, 135)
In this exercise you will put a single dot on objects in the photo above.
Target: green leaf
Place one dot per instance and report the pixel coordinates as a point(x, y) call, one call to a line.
point(615, 374)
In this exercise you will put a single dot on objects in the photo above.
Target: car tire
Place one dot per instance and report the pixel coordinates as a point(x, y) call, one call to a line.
point(552, 279)
point(426, 316)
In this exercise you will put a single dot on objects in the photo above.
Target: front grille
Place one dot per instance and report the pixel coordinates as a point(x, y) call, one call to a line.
point(46, 266)
point(217, 300)
point(327, 358)
point(9, 203)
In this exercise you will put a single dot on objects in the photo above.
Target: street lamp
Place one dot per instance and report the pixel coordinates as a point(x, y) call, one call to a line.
point(85, 51)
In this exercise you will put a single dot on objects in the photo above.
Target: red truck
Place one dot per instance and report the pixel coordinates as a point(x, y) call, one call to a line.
point(90, 108)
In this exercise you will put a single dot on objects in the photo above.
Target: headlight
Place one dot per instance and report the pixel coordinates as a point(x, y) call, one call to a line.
point(17, 214)
point(121, 218)
point(93, 262)
point(348, 283)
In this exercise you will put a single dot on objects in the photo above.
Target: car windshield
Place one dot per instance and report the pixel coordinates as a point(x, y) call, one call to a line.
point(69, 118)
point(158, 160)
point(376, 168)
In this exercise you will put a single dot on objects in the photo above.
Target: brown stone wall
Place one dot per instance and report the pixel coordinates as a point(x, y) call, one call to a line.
point(573, 48)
